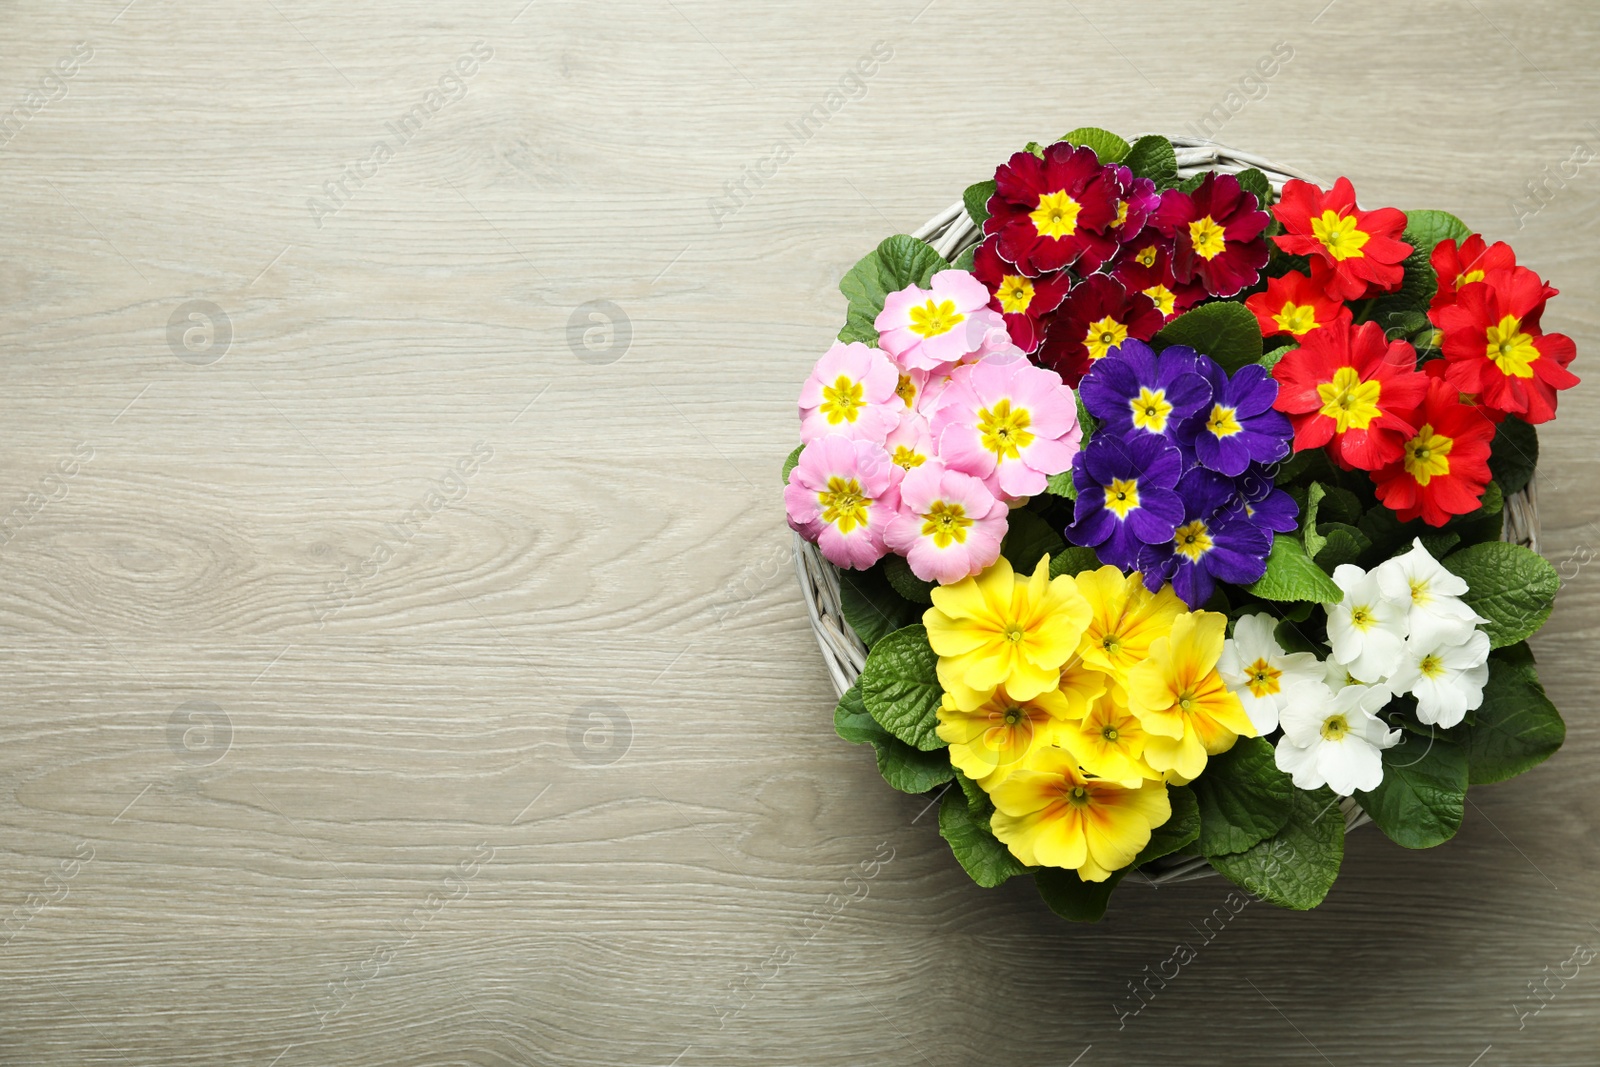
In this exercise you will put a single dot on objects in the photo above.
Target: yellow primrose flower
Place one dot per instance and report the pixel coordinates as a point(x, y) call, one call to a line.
point(1182, 702)
point(1051, 814)
point(988, 743)
point(1127, 618)
point(1082, 687)
point(1002, 629)
point(1109, 743)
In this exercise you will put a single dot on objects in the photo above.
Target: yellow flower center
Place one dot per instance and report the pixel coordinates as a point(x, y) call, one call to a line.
point(1350, 402)
point(1262, 677)
point(906, 389)
point(1298, 319)
point(1004, 429)
point(1151, 409)
point(1122, 496)
point(1146, 256)
point(1012, 716)
point(1334, 727)
point(1426, 455)
point(1207, 237)
point(1419, 591)
point(1015, 294)
point(931, 320)
point(1363, 618)
point(1103, 336)
point(1122, 215)
point(1077, 795)
point(1510, 349)
point(1187, 700)
point(946, 523)
point(1193, 540)
point(1056, 216)
point(1111, 643)
point(1339, 235)
point(1223, 421)
point(842, 399)
point(905, 457)
point(843, 504)
point(1468, 278)
point(1431, 666)
point(1165, 300)
point(1015, 634)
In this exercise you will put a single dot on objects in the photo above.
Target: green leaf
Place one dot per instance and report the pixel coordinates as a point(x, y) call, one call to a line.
point(1424, 229)
point(1516, 727)
point(1417, 286)
point(1073, 559)
point(1493, 500)
point(1192, 182)
point(1225, 331)
point(1071, 897)
point(1086, 422)
point(1345, 544)
point(1308, 526)
point(1061, 485)
point(1514, 454)
point(1028, 537)
point(1439, 543)
point(1292, 576)
point(1511, 586)
point(897, 262)
point(900, 686)
point(1152, 157)
point(1180, 830)
point(792, 462)
point(964, 258)
point(1107, 145)
point(1297, 866)
point(980, 853)
point(903, 767)
point(977, 799)
point(1339, 505)
point(1420, 801)
point(976, 198)
point(1270, 360)
point(1243, 798)
point(908, 585)
point(872, 607)
point(1253, 181)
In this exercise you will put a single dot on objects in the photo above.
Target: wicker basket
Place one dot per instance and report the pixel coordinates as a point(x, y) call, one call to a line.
point(950, 232)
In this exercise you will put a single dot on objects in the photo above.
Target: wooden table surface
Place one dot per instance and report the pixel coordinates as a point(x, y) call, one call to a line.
point(402, 657)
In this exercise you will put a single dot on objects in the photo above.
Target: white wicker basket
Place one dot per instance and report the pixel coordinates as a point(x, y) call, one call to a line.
point(950, 232)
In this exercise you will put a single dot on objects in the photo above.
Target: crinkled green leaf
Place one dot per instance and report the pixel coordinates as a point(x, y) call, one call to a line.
point(1511, 586)
point(1308, 523)
point(903, 767)
point(976, 198)
point(1243, 798)
point(1152, 157)
point(1028, 537)
point(1107, 146)
point(1342, 544)
point(792, 462)
point(908, 585)
point(1516, 727)
point(980, 853)
point(1291, 575)
point(1252, 180)
point(900, 686)
point(1514, 454)
point(1071, 897)
point(1420, 801)
point(872, 607)
point(1424, 229)
point(897, 262)
point(1061, 485)
point(1226, 331)
point(1295, 867)
point(1179, 830)
point(1074, 559)
point(1270, 360)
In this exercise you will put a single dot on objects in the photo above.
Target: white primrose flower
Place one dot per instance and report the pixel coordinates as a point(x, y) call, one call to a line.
point(1334, 739)
point(1437, 614)
point(1258, 670)
point(1447, 679)
point(1336, 676)
point(1366, 629)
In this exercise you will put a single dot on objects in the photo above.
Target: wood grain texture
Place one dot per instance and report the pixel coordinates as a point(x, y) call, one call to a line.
point(315, 752)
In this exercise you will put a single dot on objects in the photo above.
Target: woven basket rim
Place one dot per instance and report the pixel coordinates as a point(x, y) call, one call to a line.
point(950, 232)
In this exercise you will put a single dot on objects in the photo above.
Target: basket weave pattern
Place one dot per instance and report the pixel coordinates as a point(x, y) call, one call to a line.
point(950, 233)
